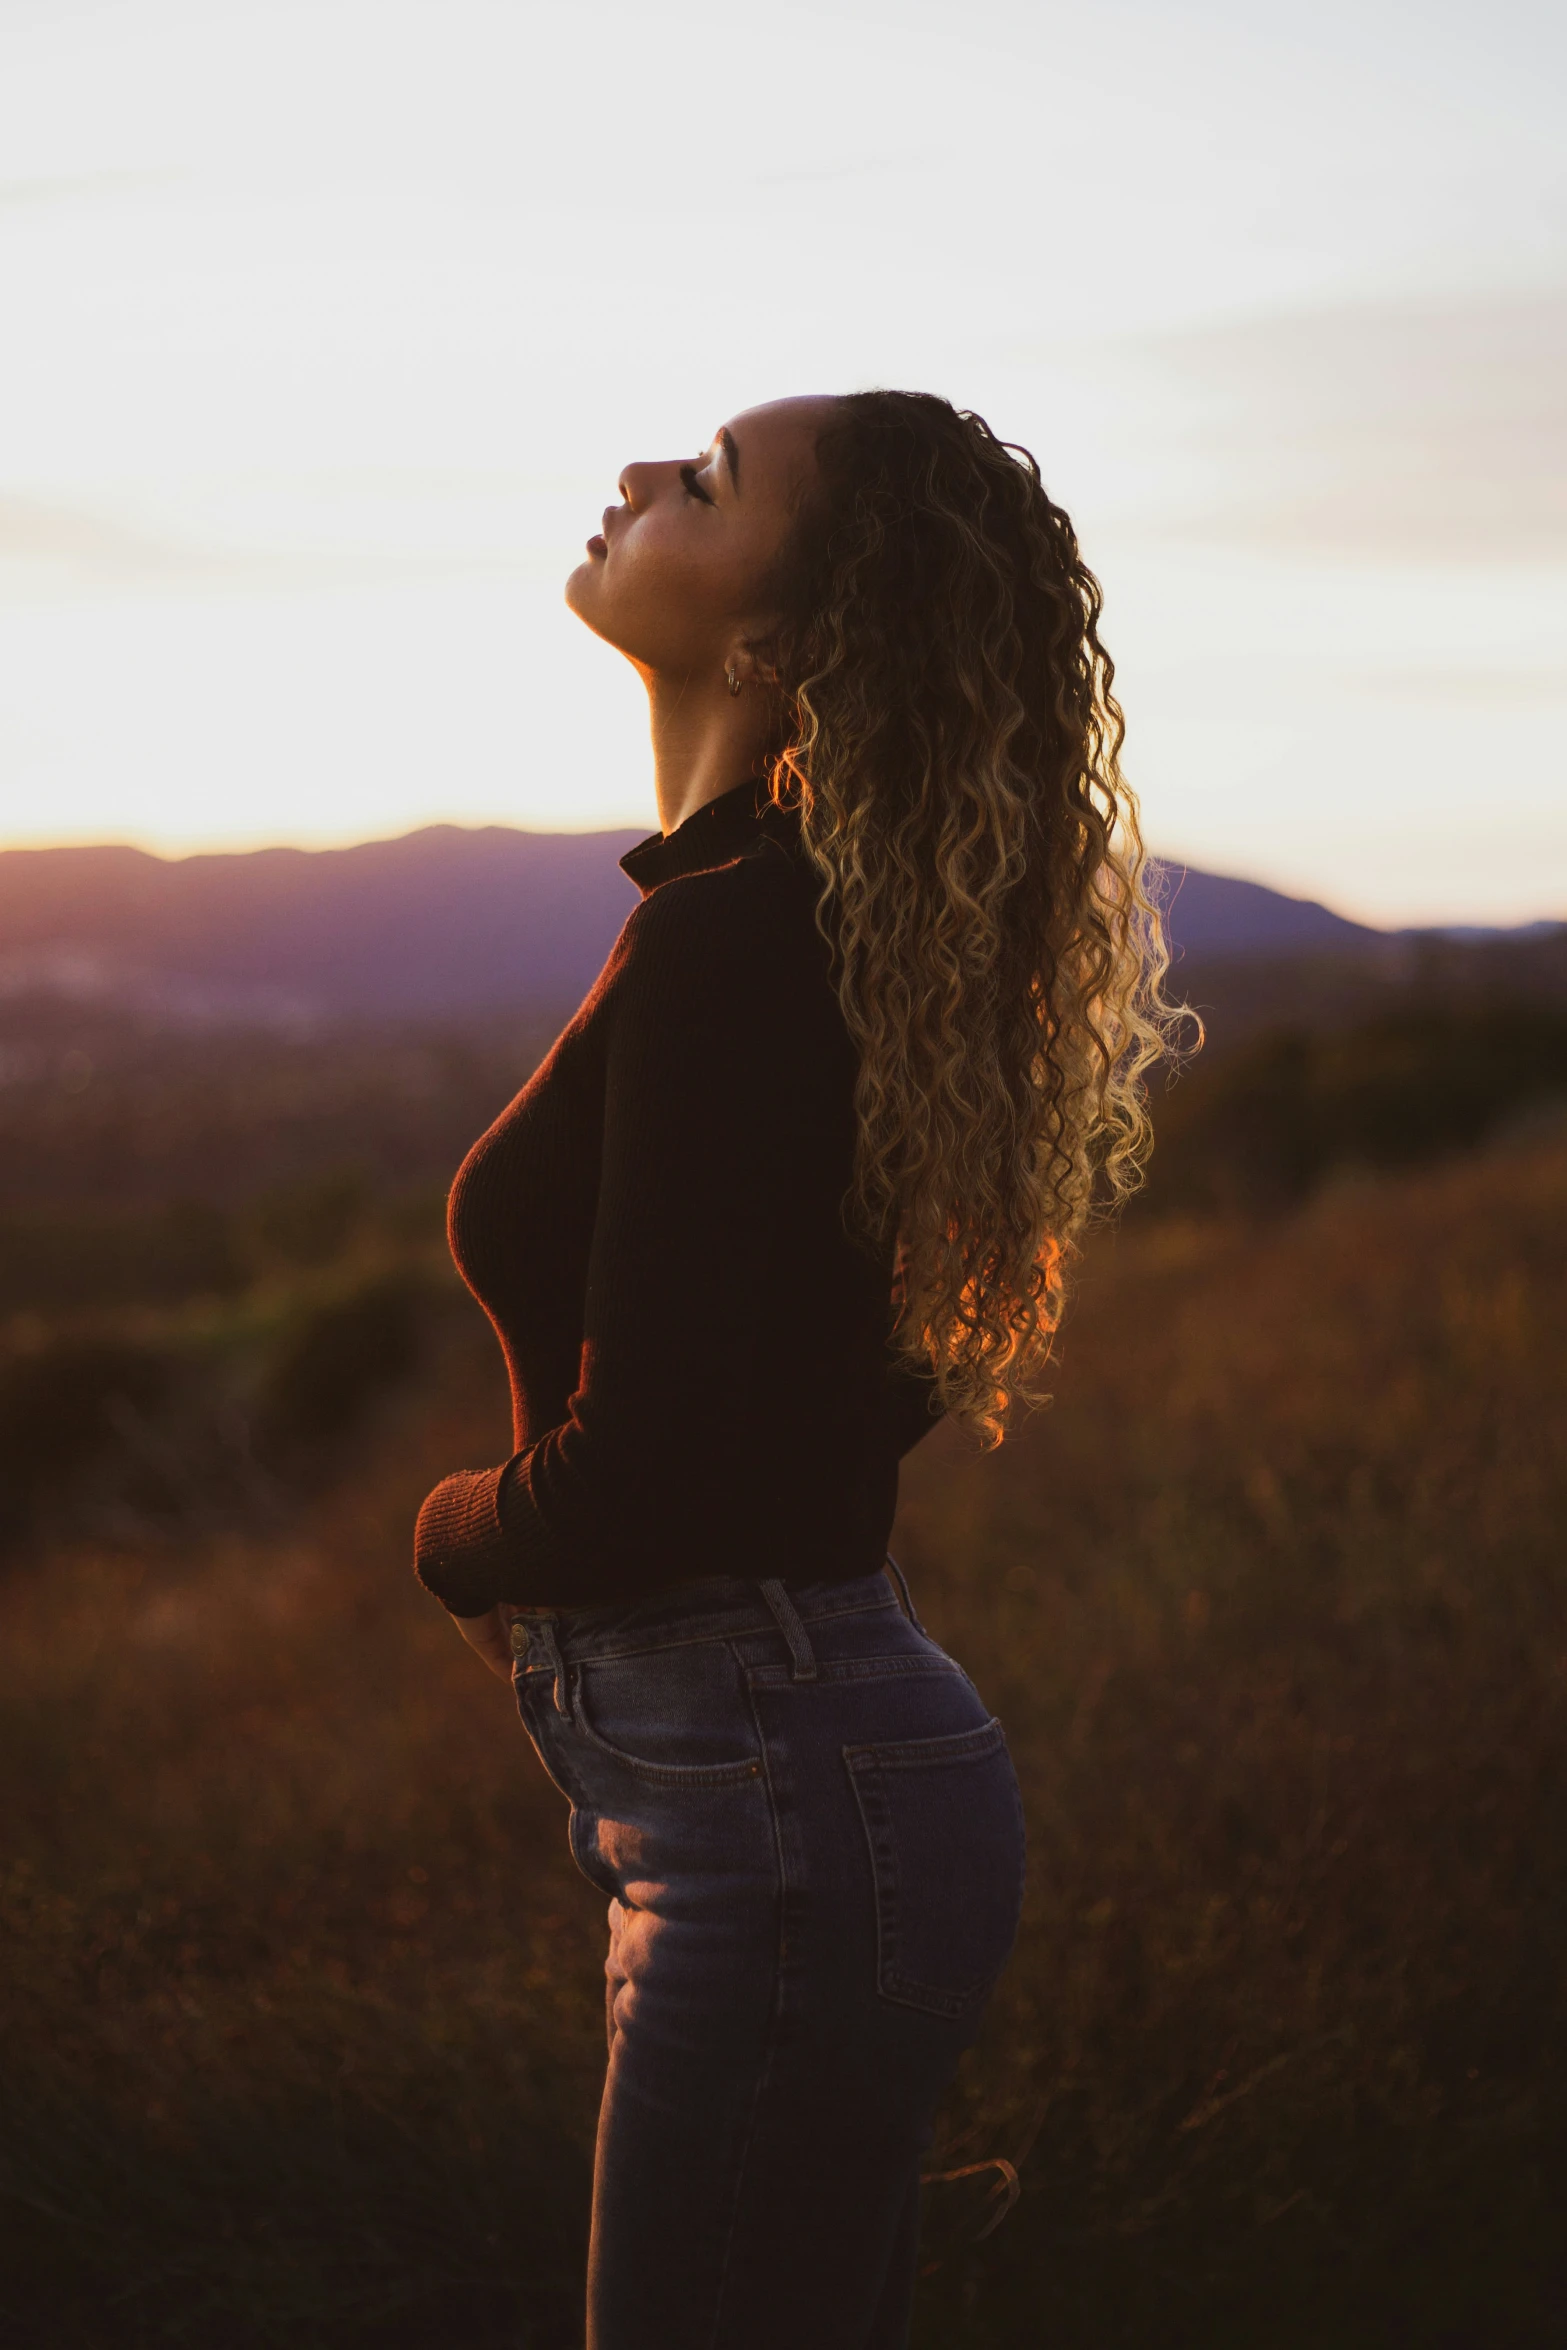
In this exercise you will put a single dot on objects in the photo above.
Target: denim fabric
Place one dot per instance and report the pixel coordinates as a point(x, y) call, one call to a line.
point(810, 1835)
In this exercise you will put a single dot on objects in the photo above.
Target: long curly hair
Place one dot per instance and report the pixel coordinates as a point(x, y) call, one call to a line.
point(949, 733)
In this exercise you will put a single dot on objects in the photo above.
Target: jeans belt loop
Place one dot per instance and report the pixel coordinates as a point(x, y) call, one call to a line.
point(544, 1633)
point(802, 1657)
point(900, 1584)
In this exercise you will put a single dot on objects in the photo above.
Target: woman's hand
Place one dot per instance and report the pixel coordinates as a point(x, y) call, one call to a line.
point(490, 1637)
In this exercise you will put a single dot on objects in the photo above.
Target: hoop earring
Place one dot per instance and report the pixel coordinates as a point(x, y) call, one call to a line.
point(731, 681)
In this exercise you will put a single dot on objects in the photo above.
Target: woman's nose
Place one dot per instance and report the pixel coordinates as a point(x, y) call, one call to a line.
point(633, 485)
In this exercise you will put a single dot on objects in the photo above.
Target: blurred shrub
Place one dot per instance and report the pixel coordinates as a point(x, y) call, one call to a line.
point(333, 1363)
point(92, 1260)
point(311, 1223)
point(63, 1407)
point(206, 1425)
point(1263, 1126)
point(63, 1263)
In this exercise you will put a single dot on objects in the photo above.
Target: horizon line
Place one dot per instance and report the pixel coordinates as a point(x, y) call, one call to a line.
point(77, 844)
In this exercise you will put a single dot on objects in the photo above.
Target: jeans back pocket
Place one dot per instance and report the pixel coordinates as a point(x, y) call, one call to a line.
point(944, 1823)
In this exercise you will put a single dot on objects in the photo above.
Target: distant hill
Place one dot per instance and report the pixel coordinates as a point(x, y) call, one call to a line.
point(440, 923)
point(1211, 915)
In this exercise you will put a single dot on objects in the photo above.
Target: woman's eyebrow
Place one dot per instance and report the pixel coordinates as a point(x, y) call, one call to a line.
point(726, 441)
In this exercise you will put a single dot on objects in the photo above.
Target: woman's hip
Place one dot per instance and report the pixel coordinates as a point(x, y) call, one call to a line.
point(807, 1774)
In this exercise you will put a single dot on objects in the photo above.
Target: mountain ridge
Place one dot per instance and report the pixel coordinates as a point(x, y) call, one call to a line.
point(438, 922)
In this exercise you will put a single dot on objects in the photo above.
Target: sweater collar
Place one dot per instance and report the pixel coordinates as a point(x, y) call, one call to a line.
point(717, 833)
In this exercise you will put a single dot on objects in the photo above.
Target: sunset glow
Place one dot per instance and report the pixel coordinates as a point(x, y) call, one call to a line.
point(330, 324)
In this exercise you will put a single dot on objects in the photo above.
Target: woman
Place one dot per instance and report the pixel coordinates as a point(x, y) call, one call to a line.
point(799, 1177)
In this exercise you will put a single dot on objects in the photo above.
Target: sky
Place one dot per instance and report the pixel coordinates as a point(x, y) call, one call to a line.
point(328, 324)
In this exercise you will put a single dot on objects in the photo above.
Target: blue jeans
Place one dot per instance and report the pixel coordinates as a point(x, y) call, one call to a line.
point(810, 1834)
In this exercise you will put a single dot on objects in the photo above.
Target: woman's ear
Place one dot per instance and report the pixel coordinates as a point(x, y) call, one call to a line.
point(752, 661)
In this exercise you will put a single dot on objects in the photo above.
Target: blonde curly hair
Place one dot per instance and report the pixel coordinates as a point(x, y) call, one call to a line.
point(949, 733)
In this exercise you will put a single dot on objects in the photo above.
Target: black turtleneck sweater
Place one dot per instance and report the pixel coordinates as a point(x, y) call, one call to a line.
point(700, 1371)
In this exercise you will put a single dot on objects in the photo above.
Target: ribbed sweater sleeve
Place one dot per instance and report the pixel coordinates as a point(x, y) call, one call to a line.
point(724, 1095)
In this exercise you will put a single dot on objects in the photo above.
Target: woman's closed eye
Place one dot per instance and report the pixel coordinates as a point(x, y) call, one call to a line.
point(693, 488)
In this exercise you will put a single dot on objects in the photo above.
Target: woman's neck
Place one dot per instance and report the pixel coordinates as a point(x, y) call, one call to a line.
point(705, 741)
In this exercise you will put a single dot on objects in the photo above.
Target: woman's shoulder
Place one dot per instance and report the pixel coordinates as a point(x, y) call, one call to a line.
point(736, 916)
point(733, 951)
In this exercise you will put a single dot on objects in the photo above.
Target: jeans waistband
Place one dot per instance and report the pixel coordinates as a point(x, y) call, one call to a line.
point(719, 1607)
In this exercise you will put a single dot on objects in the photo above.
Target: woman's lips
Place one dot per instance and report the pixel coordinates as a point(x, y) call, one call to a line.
point(598, 545)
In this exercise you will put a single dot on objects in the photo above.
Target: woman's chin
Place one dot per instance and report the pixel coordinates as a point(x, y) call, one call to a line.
point(582, 586)
point(585, 598)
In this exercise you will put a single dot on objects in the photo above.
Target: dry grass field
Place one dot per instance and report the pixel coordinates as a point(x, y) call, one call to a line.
point(301, 2003)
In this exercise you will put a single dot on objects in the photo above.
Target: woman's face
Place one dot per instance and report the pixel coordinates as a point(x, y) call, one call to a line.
point(678, 578)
